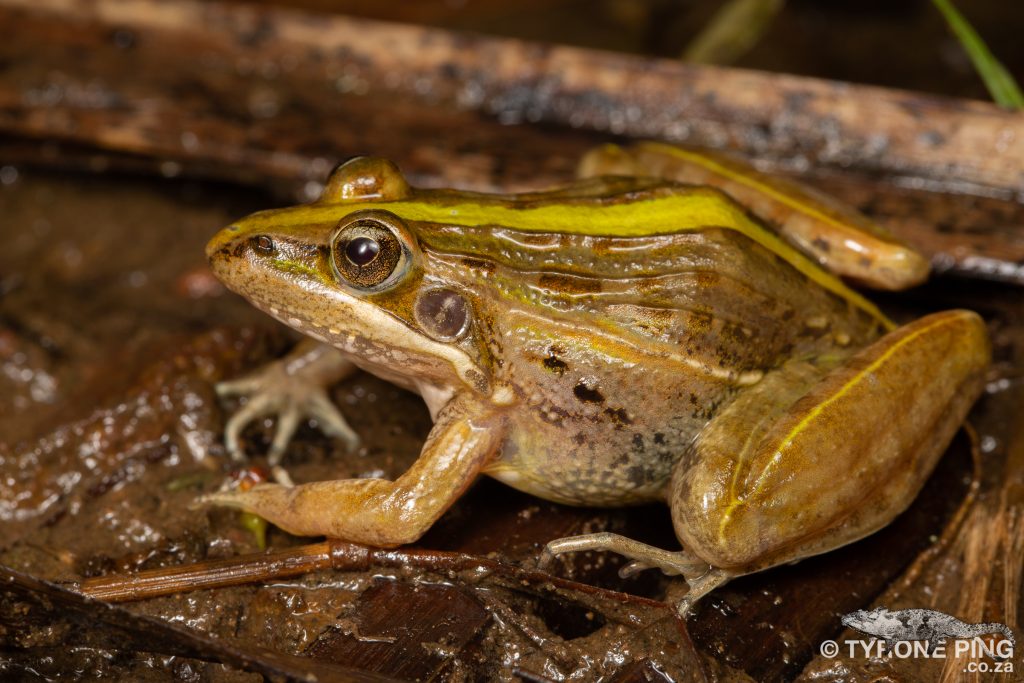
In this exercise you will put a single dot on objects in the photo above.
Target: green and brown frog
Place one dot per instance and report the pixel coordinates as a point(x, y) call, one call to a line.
point(624, 339)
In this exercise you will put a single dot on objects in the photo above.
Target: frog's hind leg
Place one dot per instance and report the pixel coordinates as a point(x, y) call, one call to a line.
point(701, 577)
point(839, 237)
point(841, 461)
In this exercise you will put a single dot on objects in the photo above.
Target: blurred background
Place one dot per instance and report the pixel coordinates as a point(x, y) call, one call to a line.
point(895, 43)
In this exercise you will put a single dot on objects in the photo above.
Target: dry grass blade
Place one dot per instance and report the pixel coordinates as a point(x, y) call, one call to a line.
point(733, 31)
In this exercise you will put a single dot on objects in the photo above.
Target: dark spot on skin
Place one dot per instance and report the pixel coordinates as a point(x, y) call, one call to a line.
point(636, 475)
point(556, 416)
point(659, 438)
point(580, 438)
point(556, 365)
point(735, 333)
point(618, 416)
point(787, 314)
point(621, 460)
point(864, 261)
point(821, 245)
point(587, 395)
point(638, 441)
point(442, 313)
point(570, 285)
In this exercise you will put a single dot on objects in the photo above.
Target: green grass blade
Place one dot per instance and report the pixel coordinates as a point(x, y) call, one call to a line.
point(736, 27)
point(1000, 83)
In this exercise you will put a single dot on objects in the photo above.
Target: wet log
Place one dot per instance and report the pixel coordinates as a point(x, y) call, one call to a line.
point(276, 97)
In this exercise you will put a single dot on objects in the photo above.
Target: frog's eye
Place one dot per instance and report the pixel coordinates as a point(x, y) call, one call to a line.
point(366, 249)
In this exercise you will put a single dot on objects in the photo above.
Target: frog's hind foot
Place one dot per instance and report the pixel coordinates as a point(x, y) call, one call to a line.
point(293, 389)
point(701, 577)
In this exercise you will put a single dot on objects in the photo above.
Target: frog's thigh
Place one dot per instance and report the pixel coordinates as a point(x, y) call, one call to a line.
point(376, 511)
point(842, 461)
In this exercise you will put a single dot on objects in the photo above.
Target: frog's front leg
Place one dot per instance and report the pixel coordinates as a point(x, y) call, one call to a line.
point(292, 388)
point(380, 512)
point(838, 463)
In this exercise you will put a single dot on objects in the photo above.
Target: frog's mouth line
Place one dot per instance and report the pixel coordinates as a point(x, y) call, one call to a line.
point(368, 333)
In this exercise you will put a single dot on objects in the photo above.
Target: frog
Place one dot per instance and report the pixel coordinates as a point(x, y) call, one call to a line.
point(671, 326)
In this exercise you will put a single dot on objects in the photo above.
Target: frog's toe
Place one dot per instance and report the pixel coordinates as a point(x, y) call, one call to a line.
point(331, 421)
point(633, 568)
point(291, 399)
point(238, 387)
point(287, 422)
point(642, 556)
point(258, 406)
point(700, 576)
point(701, 586)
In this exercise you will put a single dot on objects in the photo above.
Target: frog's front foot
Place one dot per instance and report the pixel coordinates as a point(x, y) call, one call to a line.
point(292, 388)
point(701, 577)
point(378, 511)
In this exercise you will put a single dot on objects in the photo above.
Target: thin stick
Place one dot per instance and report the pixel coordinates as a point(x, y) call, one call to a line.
point(232, 571)
point(329, 554)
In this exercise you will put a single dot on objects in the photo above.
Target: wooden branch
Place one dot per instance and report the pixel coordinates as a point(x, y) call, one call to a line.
point(954, 145)
point(275, 98)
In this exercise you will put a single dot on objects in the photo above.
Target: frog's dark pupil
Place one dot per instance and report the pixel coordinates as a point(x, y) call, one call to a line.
point(362, 250)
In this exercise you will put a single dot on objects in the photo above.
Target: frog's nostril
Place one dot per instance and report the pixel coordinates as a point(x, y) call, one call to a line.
point(262, 244)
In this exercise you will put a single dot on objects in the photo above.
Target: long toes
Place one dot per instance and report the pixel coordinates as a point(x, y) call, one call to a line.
point(287, 423)
point(281, 476)
point(257, 406)
point(238, 387)
point(331, 421)
point(632, 568)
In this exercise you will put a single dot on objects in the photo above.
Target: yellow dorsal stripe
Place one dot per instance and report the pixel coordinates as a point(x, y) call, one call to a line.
point(763, 188)
point(676, 213)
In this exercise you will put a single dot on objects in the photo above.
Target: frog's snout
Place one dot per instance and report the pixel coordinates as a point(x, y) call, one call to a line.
point(224, 242)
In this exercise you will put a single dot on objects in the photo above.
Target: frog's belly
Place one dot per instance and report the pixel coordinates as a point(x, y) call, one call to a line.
point(578, 462)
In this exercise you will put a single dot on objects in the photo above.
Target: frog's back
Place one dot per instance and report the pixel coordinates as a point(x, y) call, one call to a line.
point(624, 335)
point(671, 271)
